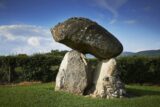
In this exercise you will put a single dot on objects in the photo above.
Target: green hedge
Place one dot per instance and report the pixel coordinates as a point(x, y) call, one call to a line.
point(38, 67)
point(44, 67)
point(139, 69)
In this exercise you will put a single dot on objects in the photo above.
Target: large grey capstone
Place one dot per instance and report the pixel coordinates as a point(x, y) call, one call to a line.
point(107, 81)
point(72, 75)
point(87, 36)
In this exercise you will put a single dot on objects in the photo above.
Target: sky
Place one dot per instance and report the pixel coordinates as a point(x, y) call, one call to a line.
point(25, 24)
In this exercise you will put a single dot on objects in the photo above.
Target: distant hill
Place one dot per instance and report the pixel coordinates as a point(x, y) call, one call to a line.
point(149, 53)
point(127, 53)
point(89, 56)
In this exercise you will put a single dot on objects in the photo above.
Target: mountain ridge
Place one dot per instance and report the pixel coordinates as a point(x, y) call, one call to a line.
point(150, 53)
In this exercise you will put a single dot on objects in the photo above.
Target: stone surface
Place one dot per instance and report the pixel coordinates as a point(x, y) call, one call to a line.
point(87, 36)
point(72, 75)
point(107, 82)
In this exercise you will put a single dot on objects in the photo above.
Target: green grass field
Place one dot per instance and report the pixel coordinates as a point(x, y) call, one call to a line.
point(43, 95)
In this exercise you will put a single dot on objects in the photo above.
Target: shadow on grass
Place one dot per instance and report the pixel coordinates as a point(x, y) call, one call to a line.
point(134, 92)
point(131, 91)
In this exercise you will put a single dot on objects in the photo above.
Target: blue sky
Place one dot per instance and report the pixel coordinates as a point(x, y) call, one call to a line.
point(25, 24)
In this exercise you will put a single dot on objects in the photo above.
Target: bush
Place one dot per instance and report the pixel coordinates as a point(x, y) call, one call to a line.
point(44, 67)
point(38, 67)
point(139, 69)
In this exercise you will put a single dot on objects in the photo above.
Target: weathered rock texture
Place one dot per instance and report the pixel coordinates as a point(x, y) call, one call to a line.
point(106, 80)
point(87, 36)
point(72, 75)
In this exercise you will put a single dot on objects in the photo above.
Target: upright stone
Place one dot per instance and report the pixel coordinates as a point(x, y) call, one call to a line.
point(72, 75)
point(107, 81)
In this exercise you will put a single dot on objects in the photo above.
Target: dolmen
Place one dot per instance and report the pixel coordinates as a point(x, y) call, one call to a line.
point(85, 36)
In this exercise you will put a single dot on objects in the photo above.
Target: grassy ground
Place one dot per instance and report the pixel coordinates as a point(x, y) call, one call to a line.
point(43, 95)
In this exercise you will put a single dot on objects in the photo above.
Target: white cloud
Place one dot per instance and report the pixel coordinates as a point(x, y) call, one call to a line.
point(105, 4)
point(113, 21)
point(28, 39)
point(6, 35)
point(130, 21)
point(33, 41)
point(112, 6)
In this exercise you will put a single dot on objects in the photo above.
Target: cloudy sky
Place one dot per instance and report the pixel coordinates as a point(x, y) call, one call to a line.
point(25, 24)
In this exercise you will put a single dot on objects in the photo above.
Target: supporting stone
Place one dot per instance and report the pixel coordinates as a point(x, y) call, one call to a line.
point(72, 75)
point(75, 75)
point(107, 82)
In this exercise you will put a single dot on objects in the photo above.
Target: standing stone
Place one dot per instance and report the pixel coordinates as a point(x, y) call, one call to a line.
point(72, 75)
point(106, 80)
point(87, 36)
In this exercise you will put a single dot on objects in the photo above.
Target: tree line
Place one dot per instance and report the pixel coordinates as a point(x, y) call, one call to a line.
point(139, 69)
point(44, 67)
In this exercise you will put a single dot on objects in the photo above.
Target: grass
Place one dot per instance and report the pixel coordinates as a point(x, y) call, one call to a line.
point(43, 95)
